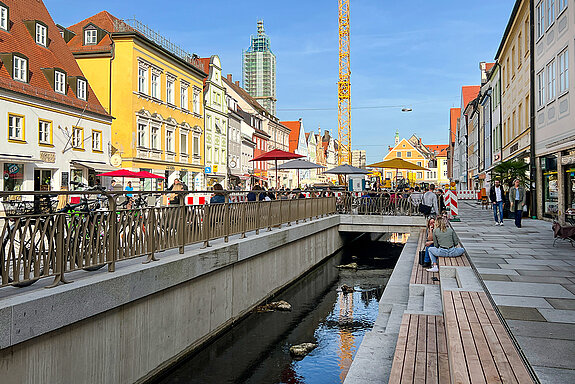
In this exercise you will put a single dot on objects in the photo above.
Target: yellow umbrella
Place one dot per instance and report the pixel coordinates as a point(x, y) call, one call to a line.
point(398, 164)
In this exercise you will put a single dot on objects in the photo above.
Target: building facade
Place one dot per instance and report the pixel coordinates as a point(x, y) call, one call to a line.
point(56, 134)
point(153, 91)
point(461, 140)
point(554, 123)
point(234, 143)
point(259, 70)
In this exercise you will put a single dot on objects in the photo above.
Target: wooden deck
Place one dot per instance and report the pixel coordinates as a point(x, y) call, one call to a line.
point(421, 352)
point(480, 349)
point(419, 275)
point(460, 261)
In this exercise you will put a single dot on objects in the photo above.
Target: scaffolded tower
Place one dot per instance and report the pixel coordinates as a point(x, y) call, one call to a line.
point(344, 86)
point(259, 70)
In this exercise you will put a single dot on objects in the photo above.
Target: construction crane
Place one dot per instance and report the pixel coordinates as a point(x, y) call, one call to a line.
point(344, 87)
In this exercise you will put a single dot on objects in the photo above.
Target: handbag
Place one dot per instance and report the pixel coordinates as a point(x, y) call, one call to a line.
point(425, 209)
point(422, 257)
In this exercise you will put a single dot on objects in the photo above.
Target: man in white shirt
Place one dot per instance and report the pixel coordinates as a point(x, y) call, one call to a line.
point(496, 195)
point(430, 199)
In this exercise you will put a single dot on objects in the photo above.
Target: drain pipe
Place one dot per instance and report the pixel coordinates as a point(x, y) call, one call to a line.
point(532, 159)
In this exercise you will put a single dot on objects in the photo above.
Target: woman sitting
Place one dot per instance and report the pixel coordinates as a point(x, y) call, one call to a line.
point(445, 241)
point(428, 242)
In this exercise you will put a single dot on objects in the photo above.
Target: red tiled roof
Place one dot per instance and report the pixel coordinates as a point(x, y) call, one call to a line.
point(103, 20)
point(204, 64)
point(469, 93)
point(437, 148)
point(488, 66)
point(56, 55)
point(245, 95)
point(454, 113)
point(294, 127)
point(306, 136)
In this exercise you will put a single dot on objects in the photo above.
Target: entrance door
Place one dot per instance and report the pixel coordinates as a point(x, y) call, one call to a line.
point(42, 179)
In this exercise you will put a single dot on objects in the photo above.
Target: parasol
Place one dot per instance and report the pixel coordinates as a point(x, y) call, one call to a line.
point(299, 164)
point(398, 164)
point(276, 154)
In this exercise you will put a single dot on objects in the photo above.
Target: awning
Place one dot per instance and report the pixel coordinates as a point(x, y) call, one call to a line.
point(98, 166)
point(19, 159)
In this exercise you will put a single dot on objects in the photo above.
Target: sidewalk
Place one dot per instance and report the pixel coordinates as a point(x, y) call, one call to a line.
point(532, 283)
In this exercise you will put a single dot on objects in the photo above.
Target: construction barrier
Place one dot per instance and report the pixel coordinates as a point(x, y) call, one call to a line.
point(468, 194)
point(450, 200)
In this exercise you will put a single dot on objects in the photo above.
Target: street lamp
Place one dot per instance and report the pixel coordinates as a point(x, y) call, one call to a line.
point(406, 109)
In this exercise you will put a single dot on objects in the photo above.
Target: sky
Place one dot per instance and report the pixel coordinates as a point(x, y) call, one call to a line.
point(414, 54)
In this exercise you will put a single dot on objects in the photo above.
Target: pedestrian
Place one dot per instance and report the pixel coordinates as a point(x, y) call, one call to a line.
point(175, 197)
point(218, 197)
point(497, 195)
point(517, 199)
point(416, 196)
point(430, 200)
point(445, 243)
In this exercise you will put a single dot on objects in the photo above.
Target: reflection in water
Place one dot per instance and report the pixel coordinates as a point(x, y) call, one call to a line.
point(256, 350)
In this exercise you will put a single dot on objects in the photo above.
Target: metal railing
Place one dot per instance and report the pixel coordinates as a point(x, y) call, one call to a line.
point(40, 240)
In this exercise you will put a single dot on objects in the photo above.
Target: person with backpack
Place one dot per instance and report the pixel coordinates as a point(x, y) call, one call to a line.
point(429, 204)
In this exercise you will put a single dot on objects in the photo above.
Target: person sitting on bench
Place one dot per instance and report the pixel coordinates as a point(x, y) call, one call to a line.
point(445, 241)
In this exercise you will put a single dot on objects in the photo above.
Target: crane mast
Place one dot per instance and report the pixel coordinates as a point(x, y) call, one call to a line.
point(344, 87)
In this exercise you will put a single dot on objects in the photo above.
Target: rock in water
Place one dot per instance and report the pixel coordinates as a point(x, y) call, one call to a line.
point(347, 289)
point(303, 349)
point(348, 266)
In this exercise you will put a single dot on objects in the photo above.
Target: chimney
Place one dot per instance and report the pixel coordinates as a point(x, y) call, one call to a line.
point(229, 76)
point(238, 83)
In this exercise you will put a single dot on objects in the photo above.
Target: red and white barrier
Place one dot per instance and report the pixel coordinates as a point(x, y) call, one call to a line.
point(450, 199)
point(468, 194)
point(196, 200)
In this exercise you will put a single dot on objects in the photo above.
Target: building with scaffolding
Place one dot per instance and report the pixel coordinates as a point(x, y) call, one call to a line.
point(259, 70)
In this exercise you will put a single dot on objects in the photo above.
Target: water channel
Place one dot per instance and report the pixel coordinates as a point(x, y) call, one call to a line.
point(256, 349)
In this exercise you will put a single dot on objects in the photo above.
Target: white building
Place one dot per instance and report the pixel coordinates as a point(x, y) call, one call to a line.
point(55, 129)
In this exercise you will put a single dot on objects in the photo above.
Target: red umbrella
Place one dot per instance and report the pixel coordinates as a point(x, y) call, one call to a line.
point(147, 175)
point(276, 154)
point(119, 173)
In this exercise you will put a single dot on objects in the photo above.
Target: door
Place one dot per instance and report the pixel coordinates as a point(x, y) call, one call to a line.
point(42, 179)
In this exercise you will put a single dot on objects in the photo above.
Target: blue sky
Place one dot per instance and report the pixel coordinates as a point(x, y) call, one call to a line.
point(416, 54)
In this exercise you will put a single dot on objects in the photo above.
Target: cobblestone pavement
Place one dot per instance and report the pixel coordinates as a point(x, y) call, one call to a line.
point(532, 283)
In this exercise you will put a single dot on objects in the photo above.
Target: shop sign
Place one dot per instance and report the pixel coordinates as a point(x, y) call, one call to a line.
point(568, 160)
point(48, 157)
point(215, 168)
point(65, 179)
point(208, 170)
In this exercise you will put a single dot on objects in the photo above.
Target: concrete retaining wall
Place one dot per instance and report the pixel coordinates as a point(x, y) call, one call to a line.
point(125, 326)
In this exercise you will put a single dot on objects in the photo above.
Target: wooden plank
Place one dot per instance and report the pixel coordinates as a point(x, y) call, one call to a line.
point(399, 356)
point(409, 363)
point(442, 357)
point(443, 368)
point(456, 353)
point(503, 367)
point(421, 350)
point(513, 357)
point(431, 375)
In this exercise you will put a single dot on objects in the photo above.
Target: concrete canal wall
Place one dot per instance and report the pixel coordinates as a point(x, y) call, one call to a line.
point(125, 326)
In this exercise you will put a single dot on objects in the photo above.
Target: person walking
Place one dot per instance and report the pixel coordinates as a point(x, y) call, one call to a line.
point(430, 200)
point(496, 195)
point(517, 199)
point(445, 243)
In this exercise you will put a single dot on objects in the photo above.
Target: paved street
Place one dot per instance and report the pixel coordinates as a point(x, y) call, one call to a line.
point(533, 284)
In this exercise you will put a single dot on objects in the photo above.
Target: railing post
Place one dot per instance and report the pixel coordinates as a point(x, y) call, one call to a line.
point(258, 216)
point(243, 223)
point(113, 234)
point(151, 235)
point(226, 220)
point(207, 225)
point(60, 256)
point(289, 213)
point(269, 215)
point(182, 222)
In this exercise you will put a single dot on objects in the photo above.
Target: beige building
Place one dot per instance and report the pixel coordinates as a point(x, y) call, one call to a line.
point(513, 57)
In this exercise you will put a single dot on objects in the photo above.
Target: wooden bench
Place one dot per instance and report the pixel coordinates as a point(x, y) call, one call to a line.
point(421, 351)
point(479, 347)
point(419, 275)
point(459, 261)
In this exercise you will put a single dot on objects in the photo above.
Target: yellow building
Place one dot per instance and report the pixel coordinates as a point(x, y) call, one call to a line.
point(154, 91)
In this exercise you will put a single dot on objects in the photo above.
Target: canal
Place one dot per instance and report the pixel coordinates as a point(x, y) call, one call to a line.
point(256, 349)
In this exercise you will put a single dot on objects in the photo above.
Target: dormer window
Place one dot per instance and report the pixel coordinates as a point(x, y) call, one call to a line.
point(41, 34)
point(81, 89)
point(60, 82)
point(3, 17)
point(20, 69)
point(90, 37)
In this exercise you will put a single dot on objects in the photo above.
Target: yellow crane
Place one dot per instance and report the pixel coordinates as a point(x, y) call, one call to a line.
point(344, 87)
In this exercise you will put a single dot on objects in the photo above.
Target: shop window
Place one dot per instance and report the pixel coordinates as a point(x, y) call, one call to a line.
point(550, 187)
point(13, 177)
point(42, 179)
point(77, 179)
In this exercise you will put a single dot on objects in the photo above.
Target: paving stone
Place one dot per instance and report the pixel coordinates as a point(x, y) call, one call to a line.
point(528, 289)
point(495, 277)
point(539, 262)
point(540, 279)
point(525, 267)
point(542, 329)
point(548, 273)
point(520, 313)
point(569, 287)
point(558, 315)
point(518, 301)
point(562, 303)
point(548, 352)
point(480, 264)
point(497, 271)
point(547, 375)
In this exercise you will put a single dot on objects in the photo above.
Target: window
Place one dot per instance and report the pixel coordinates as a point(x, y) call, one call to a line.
point(512, 61)
point(541, 89)
point(419, 175)
point(45, 132)
point(408, 153)
point(142, 134)
point(155, 86)
point(519, 44)
point(419, 163)
point(170, 91)
point(563, 60)
point(154, 137)
point(81, 89)
point(550, 12)
point(59, 82)
point(20, 69)
point(216, 156)
point(96, 141)
point(398, 154)
point(551, 80)
point(223, 158)
point(196, 146)
point(562, 5)
point(3, 18)
point(143, 80)
point(90, 37)
point(15, 127)
point(78, 138)
point(169, 140)
point(41, 32)
point(540, 22)
point(184, 96)
point(184, 142)
point(196, 101)
point(209, 155)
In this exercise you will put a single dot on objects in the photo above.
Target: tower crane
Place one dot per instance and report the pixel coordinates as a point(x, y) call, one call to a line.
point(344, 86)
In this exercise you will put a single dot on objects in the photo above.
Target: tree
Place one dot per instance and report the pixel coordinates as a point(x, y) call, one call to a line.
point(510, 170)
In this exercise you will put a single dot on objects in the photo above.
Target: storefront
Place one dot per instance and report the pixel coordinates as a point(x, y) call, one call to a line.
point(568, 162)
point(13, 177)
point(550, 195)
